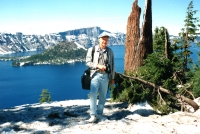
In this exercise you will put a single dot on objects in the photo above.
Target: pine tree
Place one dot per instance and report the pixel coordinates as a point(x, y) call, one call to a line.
point(158, 66)
point(187, 36)
point(161, 43)
point(45, 96)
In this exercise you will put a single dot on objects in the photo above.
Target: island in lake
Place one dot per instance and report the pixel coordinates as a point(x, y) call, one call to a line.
point(62, 53)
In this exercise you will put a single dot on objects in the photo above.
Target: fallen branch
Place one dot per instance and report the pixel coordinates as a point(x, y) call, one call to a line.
point(189, 91)
point(178, 96)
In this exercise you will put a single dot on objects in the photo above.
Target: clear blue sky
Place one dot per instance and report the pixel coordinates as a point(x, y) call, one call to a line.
point(50, 16)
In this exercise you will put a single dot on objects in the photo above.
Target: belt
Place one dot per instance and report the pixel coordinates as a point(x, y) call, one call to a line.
point(101, 71)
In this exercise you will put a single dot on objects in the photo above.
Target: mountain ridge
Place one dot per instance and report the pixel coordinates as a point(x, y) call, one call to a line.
point(86, 37)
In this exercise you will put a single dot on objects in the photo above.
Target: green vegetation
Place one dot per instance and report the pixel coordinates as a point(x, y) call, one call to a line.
point(62, 53)
point(12, 58)
point(187, 36)
point(168, 66)
point(45, 96)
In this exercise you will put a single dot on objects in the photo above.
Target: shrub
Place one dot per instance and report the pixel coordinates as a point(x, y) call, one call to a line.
point(45, 96)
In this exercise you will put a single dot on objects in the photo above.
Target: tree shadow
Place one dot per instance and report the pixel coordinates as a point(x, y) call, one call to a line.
point(18, 118)
point(124, 112)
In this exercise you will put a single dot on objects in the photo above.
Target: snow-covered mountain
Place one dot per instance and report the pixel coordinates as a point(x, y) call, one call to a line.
point(85, 37)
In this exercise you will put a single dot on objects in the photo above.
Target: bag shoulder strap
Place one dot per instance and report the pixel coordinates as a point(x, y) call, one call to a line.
point(93, 49)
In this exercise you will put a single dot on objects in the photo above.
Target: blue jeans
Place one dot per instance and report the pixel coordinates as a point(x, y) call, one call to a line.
point(99, 84)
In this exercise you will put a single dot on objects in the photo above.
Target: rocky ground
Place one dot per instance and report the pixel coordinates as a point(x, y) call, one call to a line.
point(69, 117)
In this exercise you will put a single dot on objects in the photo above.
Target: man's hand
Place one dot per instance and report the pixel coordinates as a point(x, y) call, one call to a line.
point(101, 67)
point(112, 81)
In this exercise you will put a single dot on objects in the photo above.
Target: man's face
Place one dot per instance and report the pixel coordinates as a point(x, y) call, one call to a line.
point(103, 41)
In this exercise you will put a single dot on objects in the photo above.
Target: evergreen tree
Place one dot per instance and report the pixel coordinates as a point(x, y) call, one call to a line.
point(187, 36)
point(45, 96)
point(187, 70)
point(159, 40)
point(158, 67)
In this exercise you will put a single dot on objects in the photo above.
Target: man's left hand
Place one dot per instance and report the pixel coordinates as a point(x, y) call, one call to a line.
point(112, 81)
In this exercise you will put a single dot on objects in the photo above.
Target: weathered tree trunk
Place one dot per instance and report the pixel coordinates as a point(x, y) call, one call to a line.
point(132, 37)
point(137, 48)
point(145, 44)
point(178, 96)
point(166, 45)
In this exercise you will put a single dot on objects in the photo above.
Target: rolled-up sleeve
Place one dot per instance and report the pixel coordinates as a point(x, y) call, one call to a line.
point(89, 62)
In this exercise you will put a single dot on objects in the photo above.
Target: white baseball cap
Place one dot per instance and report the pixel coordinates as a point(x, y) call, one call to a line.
point(104, 34)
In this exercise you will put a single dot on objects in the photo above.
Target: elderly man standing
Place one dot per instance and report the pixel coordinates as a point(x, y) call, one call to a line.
point(102, 71)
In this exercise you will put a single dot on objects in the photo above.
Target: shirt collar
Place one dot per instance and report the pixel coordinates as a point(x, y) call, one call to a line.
point(101, 50)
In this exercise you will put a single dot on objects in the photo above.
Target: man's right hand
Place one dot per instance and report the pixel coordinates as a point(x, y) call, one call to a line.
point(101, 67)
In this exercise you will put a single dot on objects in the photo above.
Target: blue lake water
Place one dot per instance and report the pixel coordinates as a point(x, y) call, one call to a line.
point(23, 85)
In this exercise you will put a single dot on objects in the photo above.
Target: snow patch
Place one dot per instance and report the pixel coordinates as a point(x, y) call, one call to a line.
point(79, 46)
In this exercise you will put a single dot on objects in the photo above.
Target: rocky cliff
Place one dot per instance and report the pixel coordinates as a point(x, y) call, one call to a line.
point(86, 37)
